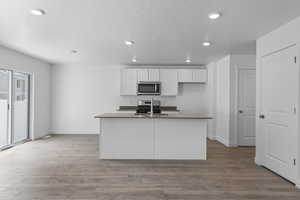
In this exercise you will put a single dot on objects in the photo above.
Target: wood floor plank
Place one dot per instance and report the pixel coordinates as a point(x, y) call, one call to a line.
point(66, 167)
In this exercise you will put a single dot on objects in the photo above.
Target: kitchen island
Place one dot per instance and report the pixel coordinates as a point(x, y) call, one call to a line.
point(172, 136)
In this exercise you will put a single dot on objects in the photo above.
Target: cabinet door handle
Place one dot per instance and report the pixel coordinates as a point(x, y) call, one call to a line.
point(241, 112)
point(261, 116)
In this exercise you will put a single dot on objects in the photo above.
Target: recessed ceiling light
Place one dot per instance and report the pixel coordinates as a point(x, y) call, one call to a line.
point(214, 15)
point(38, 12)
point(188, 60)
point(206, 44)
point(129, 42)
point(134, 60)
point(74, 51)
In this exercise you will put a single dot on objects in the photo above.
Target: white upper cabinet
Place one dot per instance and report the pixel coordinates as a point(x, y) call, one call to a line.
point(169, 79)
point(128, 82)
point(200, 75)
point(192, 75)
point(154, 74)
point(148, 74)
point(169, 82)
point(142, 75)
point(185, 75)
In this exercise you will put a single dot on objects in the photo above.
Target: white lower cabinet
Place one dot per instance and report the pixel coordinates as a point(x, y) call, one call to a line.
point(127, 138)
point(180, 139)
point(169, 82)
point(135, 138)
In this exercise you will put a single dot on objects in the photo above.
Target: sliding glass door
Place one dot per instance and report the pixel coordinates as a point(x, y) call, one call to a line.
point(5, 95)
point(20, 106)
point(14, 107)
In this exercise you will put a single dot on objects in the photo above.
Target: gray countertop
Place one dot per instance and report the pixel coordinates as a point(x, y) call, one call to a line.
point(147, 116)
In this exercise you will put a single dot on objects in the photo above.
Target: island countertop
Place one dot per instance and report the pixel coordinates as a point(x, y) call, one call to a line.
point(147, 116)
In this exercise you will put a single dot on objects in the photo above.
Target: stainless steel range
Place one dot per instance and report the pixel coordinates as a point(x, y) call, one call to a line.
point(144, 107)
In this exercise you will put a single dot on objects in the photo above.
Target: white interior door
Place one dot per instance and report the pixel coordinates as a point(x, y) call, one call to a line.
point(20, 106)
point(279, 92)
point(246, 107)
point(4, 107)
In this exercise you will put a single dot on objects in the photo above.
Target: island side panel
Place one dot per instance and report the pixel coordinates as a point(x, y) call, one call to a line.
point(127, 138)
point(180, 139)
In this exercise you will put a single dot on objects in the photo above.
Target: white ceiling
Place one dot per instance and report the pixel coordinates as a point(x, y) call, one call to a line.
point(165, 31)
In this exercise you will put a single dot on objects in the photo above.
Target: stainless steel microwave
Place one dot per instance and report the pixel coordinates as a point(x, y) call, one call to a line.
point(148, 88)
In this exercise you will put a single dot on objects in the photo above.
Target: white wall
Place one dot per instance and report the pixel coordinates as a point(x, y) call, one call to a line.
point(226, 96)
point(211, 99)
point(283, 37)
point(81, 92)
point(40, 71)
point(223, 100)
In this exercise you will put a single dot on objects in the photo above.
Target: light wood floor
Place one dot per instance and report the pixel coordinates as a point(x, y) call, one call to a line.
point(67, 167)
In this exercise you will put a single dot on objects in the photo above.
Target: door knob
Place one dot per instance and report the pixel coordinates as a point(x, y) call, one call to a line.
point(240, 111)
point(261, 116)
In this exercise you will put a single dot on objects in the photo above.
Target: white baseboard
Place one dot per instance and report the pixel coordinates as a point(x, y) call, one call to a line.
point(222, 140)
point(257, 162)
point(73, 132)
point(33, 137)
point(211, 137)
point(233, 145)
